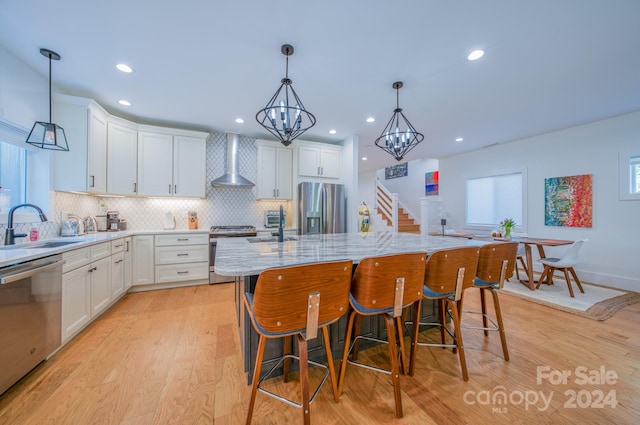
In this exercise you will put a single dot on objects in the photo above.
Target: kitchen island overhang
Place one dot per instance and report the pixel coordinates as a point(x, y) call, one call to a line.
point(244, 260)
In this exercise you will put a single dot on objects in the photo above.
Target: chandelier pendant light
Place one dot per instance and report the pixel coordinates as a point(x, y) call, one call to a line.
point(399, 136)
point(48, 135)
point(285, 116)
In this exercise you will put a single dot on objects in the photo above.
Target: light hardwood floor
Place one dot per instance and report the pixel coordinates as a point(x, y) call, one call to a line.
point(172, 357)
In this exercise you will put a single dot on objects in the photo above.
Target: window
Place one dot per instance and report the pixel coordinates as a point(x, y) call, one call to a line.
point(13, 168)
point(491, 199)
point(629, 179)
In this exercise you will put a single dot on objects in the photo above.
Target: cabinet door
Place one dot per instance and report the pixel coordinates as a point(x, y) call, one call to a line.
point(266, 182)
point(97, 151)
point(189, 166)
point(122, 159)
point(100, 272)
point(117, 275)
point(284, 174)
point(155, 164)
point(330, 163)
point(143, 267)
point(308, 161)
point(128, 264)
point(76, 301)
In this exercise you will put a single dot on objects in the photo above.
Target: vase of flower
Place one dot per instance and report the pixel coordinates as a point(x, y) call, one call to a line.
point(507, 224)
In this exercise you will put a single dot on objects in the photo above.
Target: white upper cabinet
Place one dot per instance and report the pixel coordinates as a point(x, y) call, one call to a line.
point(122, 164)
point(319, 160)
point(171, 165)
point(275, 166)
point(84, 167)
point(155, 164)
point(189, 166)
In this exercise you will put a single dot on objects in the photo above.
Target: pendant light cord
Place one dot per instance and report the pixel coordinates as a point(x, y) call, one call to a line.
point(50, 102)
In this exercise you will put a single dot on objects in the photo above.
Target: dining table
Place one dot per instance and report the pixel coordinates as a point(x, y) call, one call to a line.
point(540, 243)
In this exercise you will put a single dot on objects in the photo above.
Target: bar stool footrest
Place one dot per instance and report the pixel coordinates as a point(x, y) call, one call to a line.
point(364, 365)
point(495, 326)
point(436, 325)
point(280, 360)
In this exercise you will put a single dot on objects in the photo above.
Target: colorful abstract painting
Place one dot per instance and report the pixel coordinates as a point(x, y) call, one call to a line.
point(568, 201)
point(431, 183)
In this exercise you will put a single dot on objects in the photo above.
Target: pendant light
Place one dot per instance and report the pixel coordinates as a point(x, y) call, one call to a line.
point(48, 135)
point(399, 136)
point(285, 116)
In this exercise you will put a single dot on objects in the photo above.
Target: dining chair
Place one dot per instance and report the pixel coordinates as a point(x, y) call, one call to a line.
point(495, 264)
point(384, 286)
point(521, 254)
point(448, 273)
point(565, 263)
point(296, 301)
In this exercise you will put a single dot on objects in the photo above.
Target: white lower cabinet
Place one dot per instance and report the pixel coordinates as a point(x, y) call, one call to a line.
point(142, 267)
point(181, 258)
point(128, 263)
point(117, 275)
point(86, 287)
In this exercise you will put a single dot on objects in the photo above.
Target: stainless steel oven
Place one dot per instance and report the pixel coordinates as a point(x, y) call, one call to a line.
point(217, 232)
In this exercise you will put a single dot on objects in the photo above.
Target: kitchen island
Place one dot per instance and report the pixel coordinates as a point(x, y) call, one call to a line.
point(246, 260)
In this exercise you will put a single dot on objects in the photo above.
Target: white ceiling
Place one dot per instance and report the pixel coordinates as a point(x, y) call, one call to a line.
point(548, 65)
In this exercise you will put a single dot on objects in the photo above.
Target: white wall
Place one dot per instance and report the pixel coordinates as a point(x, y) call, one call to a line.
point(610, 257)
point(349, 174)
point(23, 92)
point(410, 188)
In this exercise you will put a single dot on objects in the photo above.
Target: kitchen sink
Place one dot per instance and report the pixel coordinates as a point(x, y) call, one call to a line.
point(41, 245)
point(257, 239)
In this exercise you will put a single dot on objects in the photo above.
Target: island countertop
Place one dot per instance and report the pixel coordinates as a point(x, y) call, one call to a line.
point(239, 257)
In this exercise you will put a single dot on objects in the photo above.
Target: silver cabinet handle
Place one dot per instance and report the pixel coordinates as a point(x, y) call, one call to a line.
point(93, 180)
point(175, 189)
point(92, 270)
point(118, 262)
point(135, 187)
point(183, 255)
point(169, 188)
point(127, 246)
point(184, 272)
point(182, 239)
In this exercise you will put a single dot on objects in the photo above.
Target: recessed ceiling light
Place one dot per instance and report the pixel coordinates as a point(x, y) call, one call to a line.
point(364, 158)
point(124, 67)
point(459, 139)
point(475, 55)
point(332, 132)
point(239, 120)
point(124, 102)
point(371, 119)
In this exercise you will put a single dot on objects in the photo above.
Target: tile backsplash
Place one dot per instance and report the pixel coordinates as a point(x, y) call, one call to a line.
point(222, 206)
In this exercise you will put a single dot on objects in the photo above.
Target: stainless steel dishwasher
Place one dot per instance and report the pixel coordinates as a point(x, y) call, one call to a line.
point(30, 316)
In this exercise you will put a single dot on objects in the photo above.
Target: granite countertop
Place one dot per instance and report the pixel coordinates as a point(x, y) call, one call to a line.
point(23, 252)
point(239, 257)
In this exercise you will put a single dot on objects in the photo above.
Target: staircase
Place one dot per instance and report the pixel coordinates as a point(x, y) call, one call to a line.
point(392, 213)
point(406, 224)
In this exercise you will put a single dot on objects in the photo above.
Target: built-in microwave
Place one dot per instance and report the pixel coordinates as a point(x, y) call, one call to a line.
point(272, 218)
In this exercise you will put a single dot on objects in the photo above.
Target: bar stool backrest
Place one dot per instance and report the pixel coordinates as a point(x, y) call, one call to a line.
point(444, 267)
point(375, 279)
point(491, 258)
point(281, 297)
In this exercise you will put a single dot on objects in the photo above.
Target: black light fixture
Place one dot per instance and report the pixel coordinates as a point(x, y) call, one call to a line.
point(285, 116)
point(399, 136)
point(48, 135)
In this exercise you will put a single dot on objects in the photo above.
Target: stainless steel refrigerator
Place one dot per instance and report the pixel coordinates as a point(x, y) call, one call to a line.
point(322, 208)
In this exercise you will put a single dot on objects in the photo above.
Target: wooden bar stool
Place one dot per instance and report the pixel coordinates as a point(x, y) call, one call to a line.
point(297, 301)
point(496, 263)
point(448, 273)
point(384, 286)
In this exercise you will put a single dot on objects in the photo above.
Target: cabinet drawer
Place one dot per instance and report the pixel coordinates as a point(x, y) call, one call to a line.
point(76, 258)
point(181, 254)
point(182, 239)
point(100, 251)
point(117, 246)
point(182, 272)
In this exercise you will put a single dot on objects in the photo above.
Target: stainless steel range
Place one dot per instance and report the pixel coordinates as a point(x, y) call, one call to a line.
point(217, 232)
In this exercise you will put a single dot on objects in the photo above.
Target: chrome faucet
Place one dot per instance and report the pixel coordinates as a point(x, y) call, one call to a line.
point(280, 228)
point(10, 236)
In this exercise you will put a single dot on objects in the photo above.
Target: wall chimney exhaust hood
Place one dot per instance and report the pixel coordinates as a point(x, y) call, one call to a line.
point(232, 176)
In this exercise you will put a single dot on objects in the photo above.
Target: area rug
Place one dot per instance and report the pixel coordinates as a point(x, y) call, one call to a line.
point(598, 302)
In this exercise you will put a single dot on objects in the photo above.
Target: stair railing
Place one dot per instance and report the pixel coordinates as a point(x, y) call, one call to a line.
point(387, 204)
